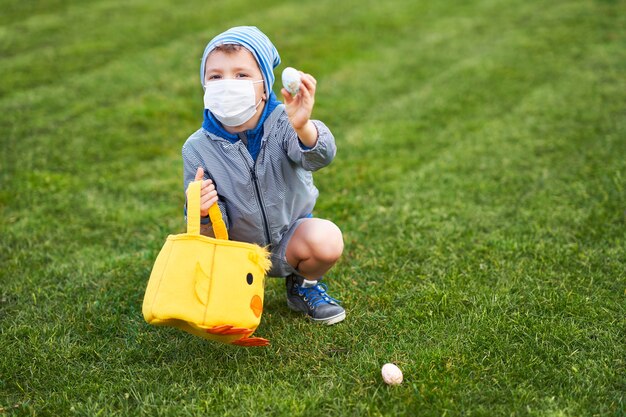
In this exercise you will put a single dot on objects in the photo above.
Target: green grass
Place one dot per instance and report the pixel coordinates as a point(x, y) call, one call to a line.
point(480, 185)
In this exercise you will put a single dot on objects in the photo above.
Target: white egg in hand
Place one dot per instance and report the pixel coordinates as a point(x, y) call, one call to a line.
point(291, 80)
point(392, 375)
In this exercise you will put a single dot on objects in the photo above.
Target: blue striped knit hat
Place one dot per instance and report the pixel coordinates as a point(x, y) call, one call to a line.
point(253, 40)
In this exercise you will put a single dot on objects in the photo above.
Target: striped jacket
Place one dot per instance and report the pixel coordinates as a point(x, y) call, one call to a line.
point(261, 200)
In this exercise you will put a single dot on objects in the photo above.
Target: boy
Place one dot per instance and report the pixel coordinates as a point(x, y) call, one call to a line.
point(256, 156)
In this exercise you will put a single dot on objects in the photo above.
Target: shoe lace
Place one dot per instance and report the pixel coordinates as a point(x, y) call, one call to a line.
point(317, 295)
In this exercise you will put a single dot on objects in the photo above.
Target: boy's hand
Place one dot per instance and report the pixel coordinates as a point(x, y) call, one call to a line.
point(300, 107)
point(208, 194)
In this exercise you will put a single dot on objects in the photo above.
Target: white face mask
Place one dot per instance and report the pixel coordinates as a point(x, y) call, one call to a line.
point(232, 102)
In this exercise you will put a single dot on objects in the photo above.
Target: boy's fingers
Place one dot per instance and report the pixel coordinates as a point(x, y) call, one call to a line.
point(310, 83)
point(199, 174)
point(209, 188)
point(206, 205)
point(308, 78)
point(212, 201)
point(287, 96)
point(208, 196)
point(307, 92)
point(207, 183)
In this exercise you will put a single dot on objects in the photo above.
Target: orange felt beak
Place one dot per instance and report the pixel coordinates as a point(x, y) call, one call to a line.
point(256, 305)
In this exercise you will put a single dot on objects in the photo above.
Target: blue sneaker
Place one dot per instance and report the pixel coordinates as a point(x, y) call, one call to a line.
point(310, 297)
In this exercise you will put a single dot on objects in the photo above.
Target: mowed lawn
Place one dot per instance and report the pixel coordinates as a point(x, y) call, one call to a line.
point(479, 182)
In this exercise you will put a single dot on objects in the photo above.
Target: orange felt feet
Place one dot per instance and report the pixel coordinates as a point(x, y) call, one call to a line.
point(228, 329)
point(251, 341)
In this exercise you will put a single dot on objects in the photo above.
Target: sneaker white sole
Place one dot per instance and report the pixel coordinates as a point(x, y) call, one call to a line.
point(333, 320)
point(327, 321)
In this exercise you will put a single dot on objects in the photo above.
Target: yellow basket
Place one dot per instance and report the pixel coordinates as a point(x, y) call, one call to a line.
point(212, 288)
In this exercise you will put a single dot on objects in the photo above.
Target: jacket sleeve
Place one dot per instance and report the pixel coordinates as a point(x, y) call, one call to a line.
point(313, 158)
point(191, 162)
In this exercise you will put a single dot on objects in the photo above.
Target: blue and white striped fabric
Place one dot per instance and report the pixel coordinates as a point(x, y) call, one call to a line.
point(251, 38)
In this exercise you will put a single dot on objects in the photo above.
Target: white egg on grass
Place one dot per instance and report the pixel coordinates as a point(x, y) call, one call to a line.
point(291, 80)
point(392, 375)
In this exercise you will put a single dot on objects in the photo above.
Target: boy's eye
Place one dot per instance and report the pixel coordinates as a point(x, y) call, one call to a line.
point(214, 77)
point(242, 75)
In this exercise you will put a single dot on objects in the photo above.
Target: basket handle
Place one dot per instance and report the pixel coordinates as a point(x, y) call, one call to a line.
point(193, 213)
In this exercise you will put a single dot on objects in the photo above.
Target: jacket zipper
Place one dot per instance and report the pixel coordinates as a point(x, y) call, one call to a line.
point(266, 227)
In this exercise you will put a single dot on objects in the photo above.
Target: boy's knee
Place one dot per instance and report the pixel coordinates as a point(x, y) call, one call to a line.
point(327, 242)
